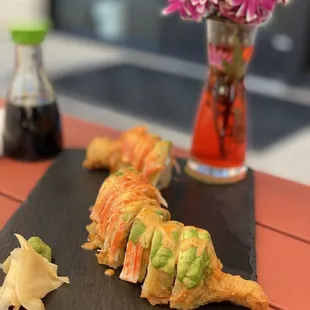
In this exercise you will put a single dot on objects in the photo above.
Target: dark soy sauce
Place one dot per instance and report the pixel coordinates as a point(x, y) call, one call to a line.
point(32, 133)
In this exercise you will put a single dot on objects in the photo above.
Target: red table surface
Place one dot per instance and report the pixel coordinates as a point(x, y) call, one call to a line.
point(282, 213)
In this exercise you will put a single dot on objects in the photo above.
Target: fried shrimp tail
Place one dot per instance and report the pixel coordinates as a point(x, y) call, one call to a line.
point(226, 287)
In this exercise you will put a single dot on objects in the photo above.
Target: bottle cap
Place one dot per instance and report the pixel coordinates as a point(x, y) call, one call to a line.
point(29, 34)
point(30, 22)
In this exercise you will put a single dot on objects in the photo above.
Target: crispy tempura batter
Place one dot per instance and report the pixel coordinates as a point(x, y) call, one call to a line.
point(135, 148)
point(99, 153)
point(222, 287)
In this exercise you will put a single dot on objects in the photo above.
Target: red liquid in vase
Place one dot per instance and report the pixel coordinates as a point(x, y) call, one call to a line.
point(219, 138)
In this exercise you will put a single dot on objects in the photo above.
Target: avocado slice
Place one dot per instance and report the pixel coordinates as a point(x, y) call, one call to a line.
point(137, 230)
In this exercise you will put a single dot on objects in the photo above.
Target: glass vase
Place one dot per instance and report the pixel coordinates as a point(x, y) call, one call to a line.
point(219, 137)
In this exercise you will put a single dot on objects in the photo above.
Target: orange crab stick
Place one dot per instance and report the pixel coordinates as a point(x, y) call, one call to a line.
point(133, 191)
point(142, 149)
point(110, 189)
point(128, 142)
point(99, 203)
point(132, 263)
point(112, 184)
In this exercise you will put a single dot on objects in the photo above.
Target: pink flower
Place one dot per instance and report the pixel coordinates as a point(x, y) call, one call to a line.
point(248, 11)
point(191, 9)
point(238, 11)
point(217, 56)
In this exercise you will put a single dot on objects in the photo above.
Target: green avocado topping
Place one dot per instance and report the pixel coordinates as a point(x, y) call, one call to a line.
point(161, 258)
point(169, 268)
point(189, 233)
point(128, 216)
point(159, 212)
point(191, 268)
point(156, 243)
point(137, 230)
point(204, 235)
point(118, 173)
point(186, 258)
point(164, 214)
point(196, 271)
point(176, 236)
point(131, 169)
point(41, 248)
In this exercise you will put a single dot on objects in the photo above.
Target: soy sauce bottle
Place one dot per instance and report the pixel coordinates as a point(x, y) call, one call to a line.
point(32, 129)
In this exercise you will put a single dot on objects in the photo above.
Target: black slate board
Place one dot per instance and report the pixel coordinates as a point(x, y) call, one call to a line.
point(57, 211)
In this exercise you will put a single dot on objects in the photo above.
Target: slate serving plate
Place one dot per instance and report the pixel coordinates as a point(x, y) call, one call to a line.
point(57, 211)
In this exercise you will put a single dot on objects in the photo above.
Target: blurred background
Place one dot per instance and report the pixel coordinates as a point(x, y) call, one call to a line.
point(119, 62)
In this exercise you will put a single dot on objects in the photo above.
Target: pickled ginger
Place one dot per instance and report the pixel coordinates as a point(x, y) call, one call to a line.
point(29, 278)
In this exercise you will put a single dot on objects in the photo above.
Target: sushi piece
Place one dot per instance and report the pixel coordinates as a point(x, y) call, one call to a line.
point(111, 188)
point(136, 148)
point(108, 190)
point(113, 251)
point(132, 191)
point(118, 191)
point(128, 142)
point(158, 165)
point(200, 279)
point(161, 271)
point(196, 261)
point(139, 242)
point(123, 186)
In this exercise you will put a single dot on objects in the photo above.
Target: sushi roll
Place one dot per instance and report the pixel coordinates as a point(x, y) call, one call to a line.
point(107, 190)
point(125, 187)
point(135, 157)
point(111, 188)
point(161, 271)
point(134, 190)
point(196, 262)
point(158, 165)
point(200, 279)
point(118, 190)
point(139, 243)
point(181, 263)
